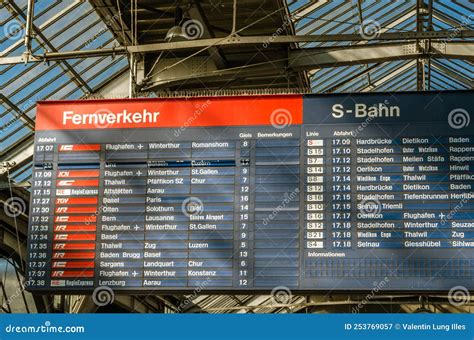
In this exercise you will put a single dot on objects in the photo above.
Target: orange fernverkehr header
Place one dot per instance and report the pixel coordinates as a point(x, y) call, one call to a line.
point(279, 110)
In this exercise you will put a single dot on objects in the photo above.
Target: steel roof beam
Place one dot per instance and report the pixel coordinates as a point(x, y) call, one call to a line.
point(13, 46)
point(459, 77)
point(237, 40)
point(111, 18)
point(337, 85)
point(285, 39)
point(388, 77)
point(305, 59)
point(37, 32)
point(196, 12)
point(420, 27)
point(307, 9)
point(379, 53)
point(454, 50)
point(30, 122)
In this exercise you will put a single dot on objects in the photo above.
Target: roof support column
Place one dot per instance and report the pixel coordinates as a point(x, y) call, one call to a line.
point(29, 29)
point(423, 15)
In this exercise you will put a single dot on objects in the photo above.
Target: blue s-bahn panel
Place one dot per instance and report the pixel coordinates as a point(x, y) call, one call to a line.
point(313, 193)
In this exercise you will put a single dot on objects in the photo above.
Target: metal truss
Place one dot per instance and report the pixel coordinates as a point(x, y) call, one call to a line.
point(234, 41)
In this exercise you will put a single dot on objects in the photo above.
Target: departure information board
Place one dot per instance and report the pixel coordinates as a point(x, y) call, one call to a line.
point(249, 193)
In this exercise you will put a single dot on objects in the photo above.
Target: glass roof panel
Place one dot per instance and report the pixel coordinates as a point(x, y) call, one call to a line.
point(344, 17)
point(58, 25)
point(64, 25)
